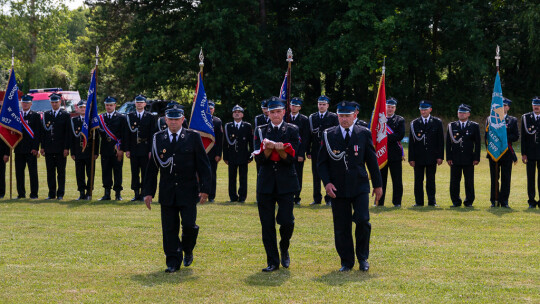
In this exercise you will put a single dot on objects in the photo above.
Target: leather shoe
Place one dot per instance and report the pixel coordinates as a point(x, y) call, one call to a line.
point(285, 259)
point(433, 205)
point(242, 201)
point(397, 206)
point(118, 197)
point(344, 269)
point(105, 198)
point(418, 205)
point(315, 203)
point(171, 269)
point(505, 206)
point(455, 206)
point(493, 205)
point(270, 268)
point(532, 206)
point(188, 259)
point(364, 265)
point(33, 197)
point(211, 200)
point(60, 198)
point(20, 197)
point(50, 197)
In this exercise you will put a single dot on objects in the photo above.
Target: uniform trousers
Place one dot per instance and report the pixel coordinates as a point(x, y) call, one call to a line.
point(110, 165)
point(533, 172)
point(396, 173)
point(242, 171)
point(345, 211)
point(317, 197)
point(504, 170)
point(56, 169)
point(2, 178)
point(21, 160)
point(170, 224)
point(213, 183)
point(138, 171)
point(455, 180)
point(284, 218)
point(299, 166)
point(429, 171)
point(82, 167)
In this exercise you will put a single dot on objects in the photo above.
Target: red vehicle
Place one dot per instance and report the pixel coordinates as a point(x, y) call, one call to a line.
point(41, 102)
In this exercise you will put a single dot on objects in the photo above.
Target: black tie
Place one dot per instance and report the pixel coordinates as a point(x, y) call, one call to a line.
point(24, 116)
point(173, 142)
point(347, 136)
point(276, 130)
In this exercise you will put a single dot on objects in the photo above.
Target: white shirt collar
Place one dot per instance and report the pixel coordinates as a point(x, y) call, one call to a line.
point(237, 123)
point(426, 119)
point(390, 116)
point(177, 134)
point(294, 116)
point(278, 126)
point(344, 132)
point(536, 116)
point(324, 113)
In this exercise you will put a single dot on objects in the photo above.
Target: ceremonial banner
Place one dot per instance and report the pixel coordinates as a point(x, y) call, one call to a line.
point(201, 119)
point(378, 126)
point(497, 142)
point(91, 120)
point(10, 118)
point(283, 90)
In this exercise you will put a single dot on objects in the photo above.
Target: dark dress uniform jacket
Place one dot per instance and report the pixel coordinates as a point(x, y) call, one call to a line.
point(178, 186)
point(317, 127)
point(147, 128)
point(116, 124)
point(464, 153)
point(57, 139)
point(238, 153)
point(397, 124)
point(77, 139)
point(217, 149)
point(280, 175)
point(349, 174)
point(426, 151)
point(512, 135)
point(28, 143)
point(530, 139)
point(302, 122)
point(261, 120)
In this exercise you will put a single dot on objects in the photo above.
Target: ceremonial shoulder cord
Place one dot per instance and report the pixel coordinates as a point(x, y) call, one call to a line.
point(231, 143)
point(73, 129)
point(416, 138)
point(133, 130)
point(311, 124)
point(334, 156)
point(157, 159)
point(524, 119)
point(44, 126)
point(460, 141)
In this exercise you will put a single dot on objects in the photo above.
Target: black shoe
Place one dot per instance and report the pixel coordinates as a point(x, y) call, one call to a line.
point(455, 206)
point(328, 203)
point(433, 205)
point(188, 259)
point(60, 198)
point(118, 196)
point(493, 205)
point(297, 203)
point(315, 203)
point(82, 196)
point(270, 268)
point(107, 195)
point(505, 206)
point(468, 205)
point(211, 200)
point(418, 205)
point(397, 206)
point(20, 197)
point(242, 201)
point(171, 269)
point(532, 206)
point(233, 200)
point(141, 198)
point(285, 259)
point(33, 197)
point(344, 269)
point(136, 196)
point(364, 265)
point(50, 197)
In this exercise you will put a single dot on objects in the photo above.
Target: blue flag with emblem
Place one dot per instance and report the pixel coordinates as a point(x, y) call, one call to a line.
point(497, 142)
point(283, 90)
point(91, 120)
point(201, 119)
point(10, 119)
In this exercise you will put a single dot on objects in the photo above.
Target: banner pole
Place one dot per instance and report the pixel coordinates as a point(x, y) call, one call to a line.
point(497, 203)
point(92, 157)
point(10, 173)
point(289, 81)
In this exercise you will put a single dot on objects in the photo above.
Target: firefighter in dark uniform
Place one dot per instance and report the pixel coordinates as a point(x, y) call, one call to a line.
point(530, 149)
point(462, 154)
point(301, 121)
point(346, 152)
point(112, 125)
point(276, 182)
point(396, 131)
point(179, 156)
point(214, 155)
point(27, 150)
point(5, 152)
point(55, 146)
point(318, 122)
point(141, 125)
point(358, 121)
point(426, 152)
point(83, 159)
point(504, 168)
point(237, 148)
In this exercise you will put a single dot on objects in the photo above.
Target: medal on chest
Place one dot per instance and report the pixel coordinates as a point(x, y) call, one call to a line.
point(355, 150)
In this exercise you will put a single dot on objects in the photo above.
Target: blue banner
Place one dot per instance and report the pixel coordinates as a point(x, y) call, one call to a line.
point(497, 142)
point(91, 120)
point(201, 119)
point(10, 118)
point(283, 90)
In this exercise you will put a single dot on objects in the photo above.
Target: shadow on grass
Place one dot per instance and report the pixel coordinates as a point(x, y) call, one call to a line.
point(381, 209)
point(275, 278)
point(501, 211)
point(464, 209)
point(336, 278)
point(75, 203)
point(531, 210)
point(161, 277)
point(425, 208)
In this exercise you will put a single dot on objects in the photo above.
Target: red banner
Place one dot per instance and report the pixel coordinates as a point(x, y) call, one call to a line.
point(378, 126)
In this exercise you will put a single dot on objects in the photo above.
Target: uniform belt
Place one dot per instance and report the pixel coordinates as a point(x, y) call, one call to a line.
point(142, 140)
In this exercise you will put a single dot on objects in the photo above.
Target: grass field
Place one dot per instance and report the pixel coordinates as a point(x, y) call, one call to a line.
point(96, 252)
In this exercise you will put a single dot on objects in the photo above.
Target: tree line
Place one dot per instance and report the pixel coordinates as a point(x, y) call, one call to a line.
point(441, 50)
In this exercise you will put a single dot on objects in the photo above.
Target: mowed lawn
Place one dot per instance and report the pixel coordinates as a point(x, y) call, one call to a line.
point(111, 252)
